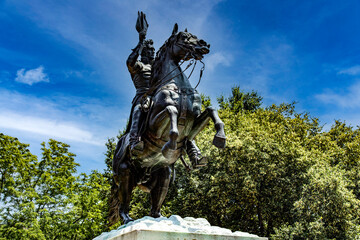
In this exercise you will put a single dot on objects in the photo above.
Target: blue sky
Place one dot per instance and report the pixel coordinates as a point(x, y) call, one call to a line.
point(63, 72)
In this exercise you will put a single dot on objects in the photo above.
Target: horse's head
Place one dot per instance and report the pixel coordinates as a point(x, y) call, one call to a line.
point(186, 46)
point(179, 46)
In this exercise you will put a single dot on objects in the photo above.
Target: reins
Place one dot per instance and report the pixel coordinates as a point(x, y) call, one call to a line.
point(201, 73)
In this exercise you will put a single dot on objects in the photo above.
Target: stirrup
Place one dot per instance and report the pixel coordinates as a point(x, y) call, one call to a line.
point(200, 161)
point(197, 160)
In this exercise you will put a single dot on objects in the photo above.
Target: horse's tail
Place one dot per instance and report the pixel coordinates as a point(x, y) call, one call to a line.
point(114, 204)
point(114, 201)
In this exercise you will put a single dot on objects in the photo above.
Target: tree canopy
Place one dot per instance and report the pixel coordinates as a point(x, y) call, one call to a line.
point(45, 199)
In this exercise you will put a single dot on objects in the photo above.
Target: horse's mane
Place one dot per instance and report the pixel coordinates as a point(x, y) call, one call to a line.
point(160, 57)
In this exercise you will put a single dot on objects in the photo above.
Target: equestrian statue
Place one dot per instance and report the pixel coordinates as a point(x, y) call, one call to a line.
point(164, 121)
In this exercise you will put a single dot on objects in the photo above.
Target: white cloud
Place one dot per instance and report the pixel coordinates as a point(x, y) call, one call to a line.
point(46, 127)
point(83, 120)
point(353, 71)
point(31, 76)
point(83, 123)
point(350, 99)
point(216, 59)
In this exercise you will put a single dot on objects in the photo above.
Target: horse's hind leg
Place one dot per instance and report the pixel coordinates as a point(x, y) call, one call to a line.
point(160, 122)
point(158, 193)
point(126, 185)
point(204, 118)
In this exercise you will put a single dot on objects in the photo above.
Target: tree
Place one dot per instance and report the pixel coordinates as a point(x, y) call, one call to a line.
point(347, 157)
point(17, 215)
point(240, 100)
point(326, 208)
point(45, 199)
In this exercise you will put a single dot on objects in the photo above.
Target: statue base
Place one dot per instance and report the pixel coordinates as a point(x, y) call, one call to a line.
point(174, 228)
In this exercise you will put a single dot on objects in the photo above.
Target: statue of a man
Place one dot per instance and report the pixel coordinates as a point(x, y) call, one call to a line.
point(140, 71)
point(141, 74)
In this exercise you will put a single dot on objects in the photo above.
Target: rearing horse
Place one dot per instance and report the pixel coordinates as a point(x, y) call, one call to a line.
point(174, 117)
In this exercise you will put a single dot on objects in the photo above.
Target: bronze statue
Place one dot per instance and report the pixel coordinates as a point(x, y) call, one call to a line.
point(167, 120)
point(140, 72)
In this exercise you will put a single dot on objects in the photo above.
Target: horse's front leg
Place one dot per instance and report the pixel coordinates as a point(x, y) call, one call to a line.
point(203, 119)
point(160, 122)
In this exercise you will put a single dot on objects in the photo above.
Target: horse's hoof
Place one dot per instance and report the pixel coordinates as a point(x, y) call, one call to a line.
point(169, 149)
point(219, 142)
point(155, 214)
point(126, 221)
point(125, 217)
point(167, 152)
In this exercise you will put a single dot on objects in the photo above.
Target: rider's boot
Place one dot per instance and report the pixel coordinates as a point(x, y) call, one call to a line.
point(194, 154)
point(136, 144)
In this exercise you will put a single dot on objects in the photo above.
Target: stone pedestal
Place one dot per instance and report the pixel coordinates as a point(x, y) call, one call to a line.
point(174, 228)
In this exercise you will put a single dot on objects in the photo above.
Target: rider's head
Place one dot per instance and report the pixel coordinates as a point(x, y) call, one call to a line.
point(148, 52)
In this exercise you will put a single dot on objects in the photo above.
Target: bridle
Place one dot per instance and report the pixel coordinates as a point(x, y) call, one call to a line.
point(190, 51)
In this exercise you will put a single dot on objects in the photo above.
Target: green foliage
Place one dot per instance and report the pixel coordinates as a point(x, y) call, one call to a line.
point(240, 101)
point(17, 214)
point(348, 151)
point(45, 199)
point(205, 102)
point(326, 208)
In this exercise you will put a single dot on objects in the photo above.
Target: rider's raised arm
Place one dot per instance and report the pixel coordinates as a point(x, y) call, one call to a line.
point(132, 59)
